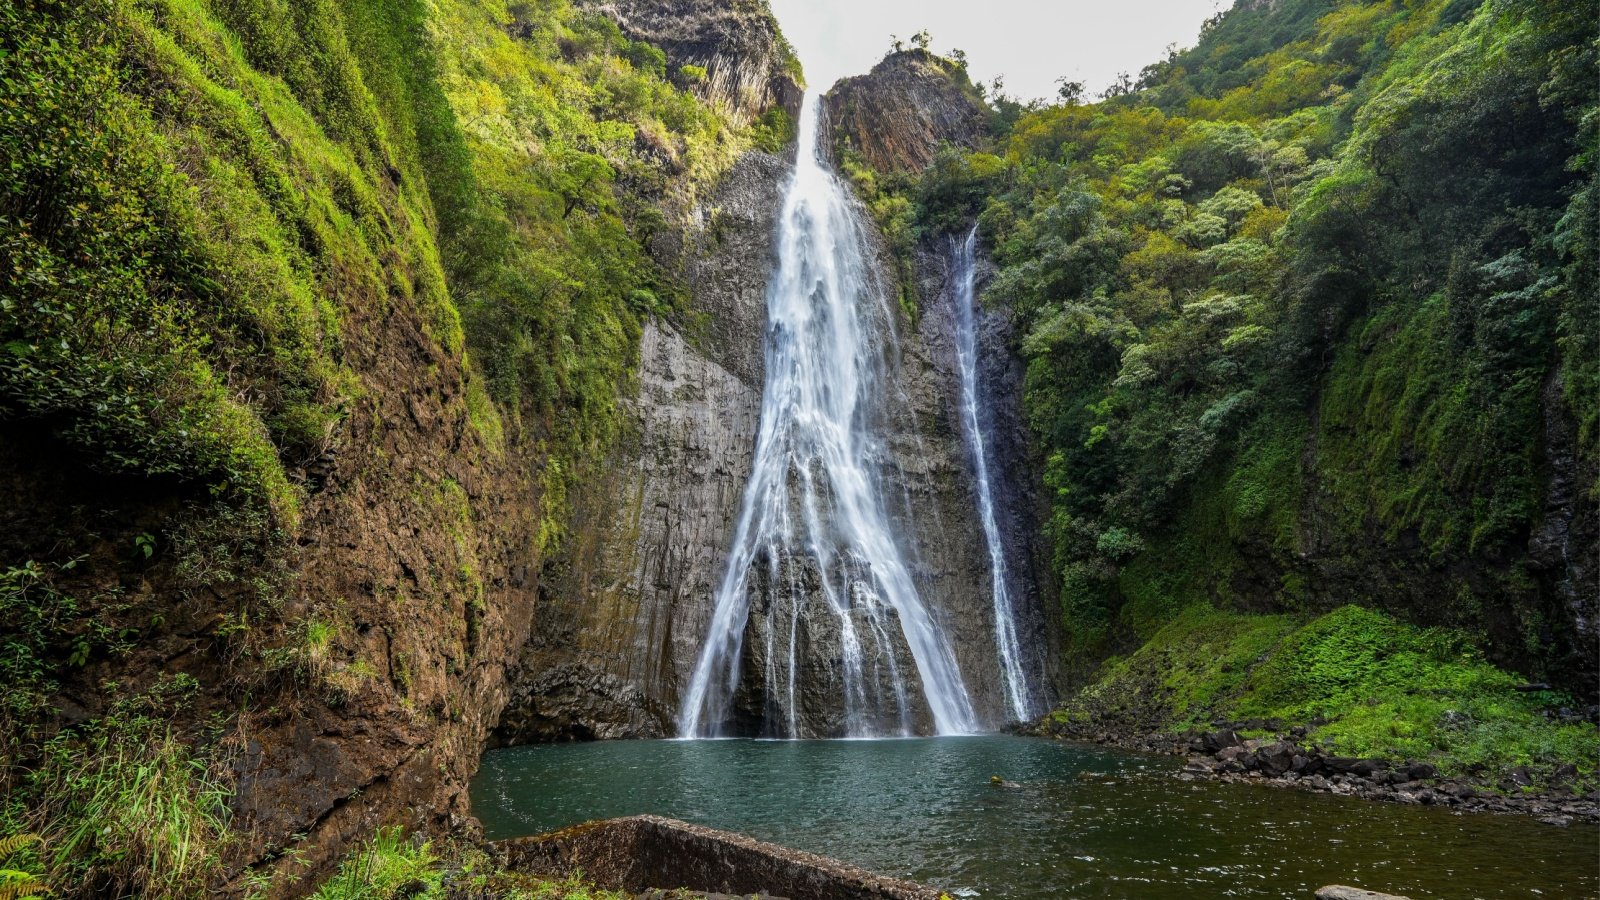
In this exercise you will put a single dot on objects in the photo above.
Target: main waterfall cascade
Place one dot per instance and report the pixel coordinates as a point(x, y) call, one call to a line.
point(813, 547)
point(964, 276)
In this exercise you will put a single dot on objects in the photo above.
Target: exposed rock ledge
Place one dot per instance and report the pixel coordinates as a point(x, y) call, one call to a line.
point(641, 853)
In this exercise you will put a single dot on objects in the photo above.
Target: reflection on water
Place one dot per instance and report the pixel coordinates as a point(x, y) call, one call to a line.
point(1082, 823)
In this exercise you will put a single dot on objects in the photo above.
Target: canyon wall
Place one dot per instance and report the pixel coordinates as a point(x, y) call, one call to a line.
point(625, 607)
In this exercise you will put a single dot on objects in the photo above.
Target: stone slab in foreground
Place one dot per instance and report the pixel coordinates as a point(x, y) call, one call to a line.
point(1340, 892)
point(638, 853)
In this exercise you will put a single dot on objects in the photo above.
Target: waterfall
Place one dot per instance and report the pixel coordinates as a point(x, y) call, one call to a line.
point(813, 547)
point(1009, 650)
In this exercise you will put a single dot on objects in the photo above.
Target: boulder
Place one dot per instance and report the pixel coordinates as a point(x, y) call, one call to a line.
point(1215, 741)
point(1277, 759)
point(1420, 771)
point(1368, 768)
point(1341, 764)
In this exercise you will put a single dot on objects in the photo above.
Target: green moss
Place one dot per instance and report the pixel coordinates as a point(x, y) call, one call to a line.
point(1407, 434)
point(1366, 684)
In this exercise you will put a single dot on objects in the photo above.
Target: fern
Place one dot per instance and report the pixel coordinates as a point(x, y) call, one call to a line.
point(11, 845)
point(16, 885)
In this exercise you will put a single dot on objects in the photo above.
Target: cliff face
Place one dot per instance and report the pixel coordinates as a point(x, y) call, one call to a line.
point(308, 338)
point(393, 704)
point(957, 557)
point(749, 66)
point(624, 610)
point(899, 114)
point(625, 606)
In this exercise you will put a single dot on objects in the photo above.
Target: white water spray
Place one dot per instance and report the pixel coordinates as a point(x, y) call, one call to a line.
point(964, 276)
point(814, 502)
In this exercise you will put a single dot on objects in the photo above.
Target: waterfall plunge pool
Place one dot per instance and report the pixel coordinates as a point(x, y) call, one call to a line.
point(1085, 822)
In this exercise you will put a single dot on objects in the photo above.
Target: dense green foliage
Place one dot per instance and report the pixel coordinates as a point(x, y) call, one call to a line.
point(209, 205)
point(123, 805)
point(1368, 685)
point(1307, 304)
point(227, 229)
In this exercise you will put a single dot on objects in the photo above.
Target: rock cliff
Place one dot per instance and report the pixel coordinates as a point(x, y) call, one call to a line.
point(393, 705)
point(749, 66)
point(624, 610)
point(898, 115)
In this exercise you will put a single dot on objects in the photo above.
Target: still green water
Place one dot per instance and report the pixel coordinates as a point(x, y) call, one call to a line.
point(1083, 823)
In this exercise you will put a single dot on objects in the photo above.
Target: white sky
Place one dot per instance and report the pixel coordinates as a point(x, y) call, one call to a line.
point(1031, 42)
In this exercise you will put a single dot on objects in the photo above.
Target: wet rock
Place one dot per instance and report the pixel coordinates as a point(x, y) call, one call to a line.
point(1218, 740)
point(1229, 754)
point(1369, 768)
point(1419, 771)
point(578, 702)
point(1276, 759)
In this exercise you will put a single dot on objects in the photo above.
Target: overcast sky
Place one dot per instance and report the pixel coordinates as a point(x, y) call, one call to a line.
point(1031, 42)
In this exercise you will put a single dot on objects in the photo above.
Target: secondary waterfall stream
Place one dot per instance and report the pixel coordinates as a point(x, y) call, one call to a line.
point(964, 277)
point(840, 622)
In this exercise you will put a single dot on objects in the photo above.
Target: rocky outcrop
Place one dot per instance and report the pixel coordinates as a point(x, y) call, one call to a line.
point(749, 66)
point(898, 116)
point(641, 853)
